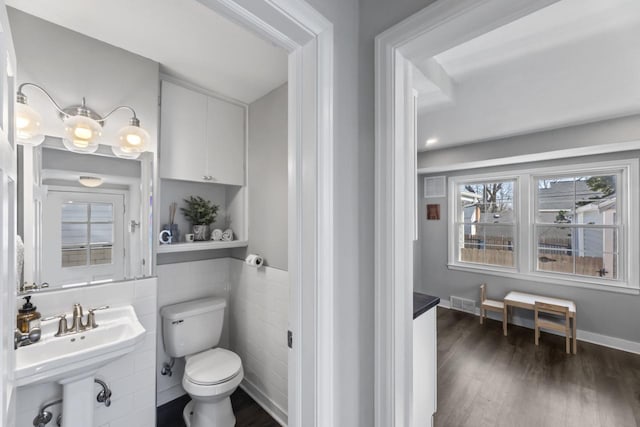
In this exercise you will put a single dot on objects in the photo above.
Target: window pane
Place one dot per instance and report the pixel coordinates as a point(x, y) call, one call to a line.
point(74, 257)
point(499, 245)
point(557, 261)
point(101, 233)
point(101, 255)
point(595, 252)
point(489, 244)
point(582, 251)
point(501, 212)
point(555, 249)
point(101, 212)
point(74, 234)
point(470, 197)
point(596, 200)
point(75, 212)
point(555, 200)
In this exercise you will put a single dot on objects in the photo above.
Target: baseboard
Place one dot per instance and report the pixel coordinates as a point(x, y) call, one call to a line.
point(172, 393)
point(273, 409)
point(586, 336)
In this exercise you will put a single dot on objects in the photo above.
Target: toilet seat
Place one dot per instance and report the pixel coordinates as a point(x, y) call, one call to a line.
point(212, 367)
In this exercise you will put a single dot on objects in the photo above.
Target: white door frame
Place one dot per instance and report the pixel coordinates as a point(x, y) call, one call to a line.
point(438, 27)
point(308, 37)
point(8, 202)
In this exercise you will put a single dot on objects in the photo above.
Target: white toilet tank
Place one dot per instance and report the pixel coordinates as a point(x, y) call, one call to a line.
point(192, 326)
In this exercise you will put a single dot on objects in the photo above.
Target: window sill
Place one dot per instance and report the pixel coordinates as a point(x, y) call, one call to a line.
point(551, 280)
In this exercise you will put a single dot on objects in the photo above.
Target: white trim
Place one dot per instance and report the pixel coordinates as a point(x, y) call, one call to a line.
point(524, 206)
point(170, 394)
point(586, 336)
point(536, 157)
point(270, 407)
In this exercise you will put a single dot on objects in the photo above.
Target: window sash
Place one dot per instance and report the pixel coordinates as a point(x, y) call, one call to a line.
point(89, 247)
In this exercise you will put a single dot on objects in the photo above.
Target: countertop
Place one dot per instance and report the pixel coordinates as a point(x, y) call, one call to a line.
point(423, 303)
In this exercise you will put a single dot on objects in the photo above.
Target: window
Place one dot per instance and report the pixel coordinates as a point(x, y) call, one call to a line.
point(486, 222)
point(574, 225)
point(87, 234)
point(83, 236)
point(577, 227)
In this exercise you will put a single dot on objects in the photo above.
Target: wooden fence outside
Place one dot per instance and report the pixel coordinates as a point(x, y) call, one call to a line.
point(585, 266)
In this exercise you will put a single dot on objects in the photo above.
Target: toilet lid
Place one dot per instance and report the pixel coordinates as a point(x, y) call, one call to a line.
point(212, 367)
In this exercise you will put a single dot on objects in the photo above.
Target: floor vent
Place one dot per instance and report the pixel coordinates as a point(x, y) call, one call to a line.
point(463, 304)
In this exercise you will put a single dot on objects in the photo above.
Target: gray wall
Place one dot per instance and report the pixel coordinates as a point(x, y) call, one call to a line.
point(268, 188)
point(601, 312)
point(604, 132)
point(355, 204)
point(71, 66)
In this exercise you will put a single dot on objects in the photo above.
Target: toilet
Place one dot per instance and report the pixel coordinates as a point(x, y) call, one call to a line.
point(192, 330)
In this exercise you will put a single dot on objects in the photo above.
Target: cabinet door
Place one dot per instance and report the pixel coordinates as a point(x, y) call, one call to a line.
point(183, 120)
point(225, 142)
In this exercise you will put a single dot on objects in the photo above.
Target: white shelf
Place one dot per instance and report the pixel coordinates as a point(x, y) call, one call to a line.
point(201, 246)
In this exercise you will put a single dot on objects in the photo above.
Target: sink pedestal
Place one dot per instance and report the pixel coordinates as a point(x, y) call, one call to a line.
point(78, 396)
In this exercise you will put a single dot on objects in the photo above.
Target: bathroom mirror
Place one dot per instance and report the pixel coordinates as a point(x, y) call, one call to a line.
point(84, 218)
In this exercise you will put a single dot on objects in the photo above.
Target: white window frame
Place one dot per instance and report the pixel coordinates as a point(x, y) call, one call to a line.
point(52, 245)
point(454, 240)
point(525, 244)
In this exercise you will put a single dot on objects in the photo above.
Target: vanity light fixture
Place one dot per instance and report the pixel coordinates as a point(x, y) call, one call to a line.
point(82, 127)
point(90, 181)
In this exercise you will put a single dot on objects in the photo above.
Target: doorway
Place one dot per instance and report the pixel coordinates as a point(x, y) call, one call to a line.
point(435, 29)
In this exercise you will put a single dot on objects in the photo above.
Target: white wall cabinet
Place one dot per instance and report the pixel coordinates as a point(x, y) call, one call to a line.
point(202, 138)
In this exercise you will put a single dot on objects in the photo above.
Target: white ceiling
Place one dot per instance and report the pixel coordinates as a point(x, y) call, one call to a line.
point(190, 40)
point(573, 62)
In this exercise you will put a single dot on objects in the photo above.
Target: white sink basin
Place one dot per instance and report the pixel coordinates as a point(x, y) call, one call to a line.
point(62, 358)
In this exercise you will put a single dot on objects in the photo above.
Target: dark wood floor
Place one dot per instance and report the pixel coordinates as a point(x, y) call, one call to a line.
point(486, 379)
point(248, 413)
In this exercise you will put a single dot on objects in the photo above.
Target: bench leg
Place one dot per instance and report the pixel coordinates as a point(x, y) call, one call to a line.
point(575, 338)
point(504, 320)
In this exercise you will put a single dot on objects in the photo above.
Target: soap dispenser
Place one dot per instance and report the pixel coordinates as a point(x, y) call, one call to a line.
point(28, 318)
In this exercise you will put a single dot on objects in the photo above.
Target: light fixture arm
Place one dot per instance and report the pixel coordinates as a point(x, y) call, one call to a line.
point(82, 126)
point(22, 98)
point(133, 121)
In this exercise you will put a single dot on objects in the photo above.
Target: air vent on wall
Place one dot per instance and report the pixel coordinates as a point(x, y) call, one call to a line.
point(435, 186)
point(463, 304)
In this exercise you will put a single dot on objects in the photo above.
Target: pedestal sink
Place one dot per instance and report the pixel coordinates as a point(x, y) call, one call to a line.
point(73, 360)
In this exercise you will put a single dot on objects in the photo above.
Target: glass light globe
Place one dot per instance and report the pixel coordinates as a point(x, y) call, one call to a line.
point(133, 139)
point(71, 146)
point(28, 123)
point(83, 133)
point(122, 153)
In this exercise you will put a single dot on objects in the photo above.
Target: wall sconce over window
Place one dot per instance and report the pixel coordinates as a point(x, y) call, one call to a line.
point(82, 127)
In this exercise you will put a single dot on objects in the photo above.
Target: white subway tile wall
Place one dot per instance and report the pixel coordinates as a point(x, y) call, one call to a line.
point(131, 378)
point(258, 332)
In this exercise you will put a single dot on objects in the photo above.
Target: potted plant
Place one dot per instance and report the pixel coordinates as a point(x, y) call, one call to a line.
point(200, 213)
